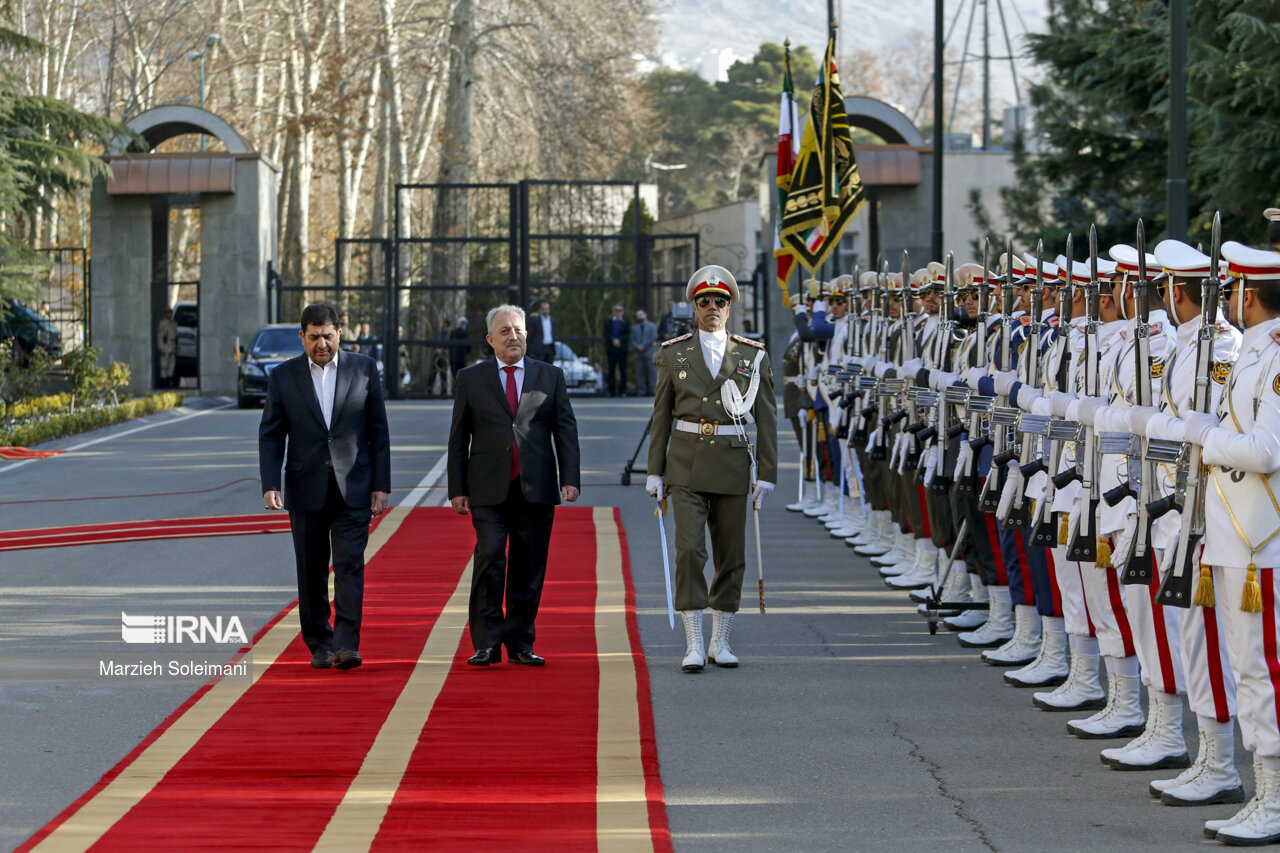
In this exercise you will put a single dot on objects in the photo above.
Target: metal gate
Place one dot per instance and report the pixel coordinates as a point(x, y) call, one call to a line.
point(63, 296)
point(461, 249)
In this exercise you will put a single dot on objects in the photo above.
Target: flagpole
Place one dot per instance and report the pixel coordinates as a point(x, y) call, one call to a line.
point(938, 27)
point(829, 268)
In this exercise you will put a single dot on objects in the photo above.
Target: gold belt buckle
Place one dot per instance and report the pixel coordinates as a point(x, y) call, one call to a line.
point(706, 428)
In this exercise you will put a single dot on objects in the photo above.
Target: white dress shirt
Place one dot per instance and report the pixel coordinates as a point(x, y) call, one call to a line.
point(713, 346)
point(518, 376)
point(325, 380)
point(546, 329)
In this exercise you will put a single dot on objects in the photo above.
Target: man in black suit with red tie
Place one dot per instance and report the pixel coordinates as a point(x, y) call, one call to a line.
point(513, 455)
point(326, 407)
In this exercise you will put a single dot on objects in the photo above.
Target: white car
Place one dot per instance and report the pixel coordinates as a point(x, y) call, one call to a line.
point(579, 375)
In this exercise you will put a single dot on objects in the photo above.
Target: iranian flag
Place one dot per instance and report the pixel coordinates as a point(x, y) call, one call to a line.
point(788, 148)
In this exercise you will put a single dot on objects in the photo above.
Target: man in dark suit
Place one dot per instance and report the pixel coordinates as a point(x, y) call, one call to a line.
point(326, 408)
point(513, 455)
point(616, 334)
point(542, 342)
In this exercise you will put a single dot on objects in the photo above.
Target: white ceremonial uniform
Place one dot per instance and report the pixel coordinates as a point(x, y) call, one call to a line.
point(1210, 686)
point(1242, 529)
point(1155, 627)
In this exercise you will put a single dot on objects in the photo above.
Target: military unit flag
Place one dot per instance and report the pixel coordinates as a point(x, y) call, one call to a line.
point(788, 149)
point(825, 191)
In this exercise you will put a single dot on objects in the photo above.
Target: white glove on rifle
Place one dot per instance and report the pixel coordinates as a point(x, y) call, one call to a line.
point(653, 485)
point(1139, 417)
point(971, 378)
point(763, 489)
point(1199, 425)
point(1004, 380)
point(1087, 409)
point(1012, 482)
point(1059, 400)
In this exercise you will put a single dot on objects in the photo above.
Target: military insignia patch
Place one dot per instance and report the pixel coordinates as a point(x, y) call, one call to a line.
point(1275, 335)
point(1021, 347)
point(1025, 320)
point(1157, 368)
point(1154, 329)
point(1221, 370)
point(682, 374)
point(744, 369)
point(1275, 384)
point(1053, 321)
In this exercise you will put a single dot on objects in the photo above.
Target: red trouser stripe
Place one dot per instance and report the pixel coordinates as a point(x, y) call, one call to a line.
point(1170, 681)
point(1002, 574)
point(1028, 591)
point(924, 512)
point(1117, 607)
point(1213, 651)
point(1266, 579)
point(1093, 632)
point(1053, 582)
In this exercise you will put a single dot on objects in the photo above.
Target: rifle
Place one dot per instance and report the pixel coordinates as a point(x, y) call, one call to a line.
point(990, 498)
point(1019, 518)
point(978, 440)
point(1084, 545)
point(1044, 531)
point(941, 483)
point(1138, 568)
point(1175, 589)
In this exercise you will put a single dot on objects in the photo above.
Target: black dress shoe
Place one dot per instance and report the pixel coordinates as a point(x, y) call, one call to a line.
point(322, 659)
point(346, 659)
point(528, 658)
point(484, 657)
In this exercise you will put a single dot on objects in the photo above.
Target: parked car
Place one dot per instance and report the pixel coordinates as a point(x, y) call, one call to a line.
point(579, 375)
point(187, 317)
point(271, 345)
point(30, 331)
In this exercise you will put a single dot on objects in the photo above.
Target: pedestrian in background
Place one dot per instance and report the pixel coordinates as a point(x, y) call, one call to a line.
point(615, 345)
point(542, 344)
point(644, 340)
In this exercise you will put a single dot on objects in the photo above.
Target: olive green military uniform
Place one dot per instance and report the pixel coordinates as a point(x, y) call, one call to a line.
point(709, 474)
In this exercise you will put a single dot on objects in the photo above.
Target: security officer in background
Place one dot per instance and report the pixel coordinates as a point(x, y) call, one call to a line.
point(712, 384)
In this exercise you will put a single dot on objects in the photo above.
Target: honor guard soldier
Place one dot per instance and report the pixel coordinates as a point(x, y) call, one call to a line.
point(1241, 450)
point(711, 386)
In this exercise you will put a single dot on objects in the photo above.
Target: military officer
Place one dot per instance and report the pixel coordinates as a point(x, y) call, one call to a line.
point(711, 386)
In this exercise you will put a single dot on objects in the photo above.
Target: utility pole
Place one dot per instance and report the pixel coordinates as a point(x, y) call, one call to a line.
point(938, 36)
point(1177, 184)
point(198, 56)
point(986, 76)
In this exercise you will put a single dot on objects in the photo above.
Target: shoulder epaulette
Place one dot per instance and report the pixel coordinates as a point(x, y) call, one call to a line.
point(677, 340)
point(740, 339)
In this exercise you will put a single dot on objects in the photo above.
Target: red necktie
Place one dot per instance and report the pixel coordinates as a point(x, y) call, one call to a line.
point(513, 403)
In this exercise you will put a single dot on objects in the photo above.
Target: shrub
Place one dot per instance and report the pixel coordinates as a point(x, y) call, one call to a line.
point(62, 425)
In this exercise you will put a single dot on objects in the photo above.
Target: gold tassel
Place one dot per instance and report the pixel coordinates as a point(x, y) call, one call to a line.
point(822, 431)
point(1064, 529)
point(1204, 589)
point(1104, 554)
point(661, 508)
point(1251, 598)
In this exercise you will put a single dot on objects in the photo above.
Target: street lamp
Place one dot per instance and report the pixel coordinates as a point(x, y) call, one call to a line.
point(198, 56)
point(650, 163)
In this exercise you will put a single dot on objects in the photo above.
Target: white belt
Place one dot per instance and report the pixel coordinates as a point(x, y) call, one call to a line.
point(706, 428)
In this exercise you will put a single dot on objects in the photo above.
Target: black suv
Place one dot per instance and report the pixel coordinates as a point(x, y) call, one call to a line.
point(271, 345)
point(29, 330)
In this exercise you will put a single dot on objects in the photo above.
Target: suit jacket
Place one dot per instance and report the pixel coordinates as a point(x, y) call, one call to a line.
point(616, 328)
point(718, 464)
point(545, 430)
point(644, 336)
point(356, 447)
point(537, 347)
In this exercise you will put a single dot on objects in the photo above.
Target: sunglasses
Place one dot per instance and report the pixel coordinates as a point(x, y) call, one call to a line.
point(704, 301)
point(836, 300)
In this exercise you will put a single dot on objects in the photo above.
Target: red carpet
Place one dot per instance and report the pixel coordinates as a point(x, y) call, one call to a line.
point(506, 757)
point(133, 531)
point(24, 453)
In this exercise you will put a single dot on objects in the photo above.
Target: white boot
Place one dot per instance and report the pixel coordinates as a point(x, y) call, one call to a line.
point(971, 619)
point(854, 520)
point(954, 584)
point(1158, 786)
point(923, 572)
point(1213, 827)
point(1262, 825)
point(830, 500)
point(999, 625)
point(881, 540)
point(808, 498)
point(870, 532)
point(1121, 717)
point(1213, 778)
point(903, 549)
point(1080, 692)
point(1161, 743)
point(1023, 647)
point(719, 652)
point(840, 519)
point(1050, 667)
point(908, 556)
point(694, 656)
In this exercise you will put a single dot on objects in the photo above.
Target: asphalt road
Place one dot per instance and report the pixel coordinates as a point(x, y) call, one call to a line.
point(847, 727)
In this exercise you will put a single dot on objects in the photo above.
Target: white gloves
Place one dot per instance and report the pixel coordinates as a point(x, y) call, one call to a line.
point(763, 489)
point(971, 378)
point(1040, 405)
point(881, 367)
point(1004, 380)
point(940, 379)
point(910, 368)
point(1028, 395)
point(1139, 417)
point(820, 306)
point(1088, 409)
point(653, 485)
point(801, 308)
point(1164, 425)
point(868, 362)
point(1198, 427)
point(1011, 484)
point(962, 460)
point(1058, 402)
